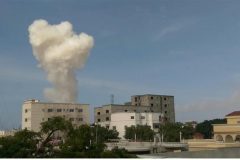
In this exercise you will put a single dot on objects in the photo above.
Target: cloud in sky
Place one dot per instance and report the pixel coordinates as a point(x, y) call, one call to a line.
point(210, 108)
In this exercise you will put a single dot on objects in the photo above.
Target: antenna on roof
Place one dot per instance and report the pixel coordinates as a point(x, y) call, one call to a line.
point(112, 99)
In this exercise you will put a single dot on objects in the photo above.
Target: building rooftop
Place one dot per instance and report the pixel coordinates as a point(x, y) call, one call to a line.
point(235, 113)
point(152, 95)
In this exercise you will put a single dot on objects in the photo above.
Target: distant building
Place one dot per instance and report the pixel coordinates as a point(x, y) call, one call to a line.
point(159, 103)
point(229, 132)
point(147, 105)
point(35, 112)
point(121, 120)
point(191, 123)
point(7, 133)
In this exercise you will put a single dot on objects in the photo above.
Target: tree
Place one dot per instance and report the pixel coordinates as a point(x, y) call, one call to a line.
point(48, 128)
point(22, 145)
point(140, 132)
point(170, 132)
point(103, 134)
point(206, 127)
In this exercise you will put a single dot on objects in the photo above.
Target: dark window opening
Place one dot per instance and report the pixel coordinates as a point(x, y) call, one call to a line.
point(59, 110)
point(165, 98)
point(165, 105)
point(107, 111)
point(151, 97)
point(151, 105)
point(26, 110)
point(80, 110)
point(71, 110)
point(50, 110)
point(98, 113)
point(126, 110)
point(107, 118)
point(99, 120)
point(132, 117)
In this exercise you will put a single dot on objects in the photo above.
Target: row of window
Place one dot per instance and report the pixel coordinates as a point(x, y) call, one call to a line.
point(138, 98)
point(63, 110)
point(142, 117)
point(70, 119)
point(107, 111)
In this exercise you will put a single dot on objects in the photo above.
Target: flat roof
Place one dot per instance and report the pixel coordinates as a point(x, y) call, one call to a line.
point(152, 95)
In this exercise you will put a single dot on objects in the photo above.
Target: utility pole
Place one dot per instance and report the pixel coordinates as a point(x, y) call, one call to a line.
point(112, 98)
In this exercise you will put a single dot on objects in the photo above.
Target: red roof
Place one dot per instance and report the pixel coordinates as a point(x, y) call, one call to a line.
point(235, 113)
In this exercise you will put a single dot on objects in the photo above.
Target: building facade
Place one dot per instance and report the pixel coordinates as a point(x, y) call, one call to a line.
point(35, 112)
point(159, 103)
point(230, 132)
point(102, 115)
point(121, 120)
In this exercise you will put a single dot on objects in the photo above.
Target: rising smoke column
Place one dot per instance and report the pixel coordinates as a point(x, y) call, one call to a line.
point(60, 53)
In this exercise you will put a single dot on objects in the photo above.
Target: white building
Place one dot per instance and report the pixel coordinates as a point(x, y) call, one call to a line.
point(35, 112)
point(121, 119)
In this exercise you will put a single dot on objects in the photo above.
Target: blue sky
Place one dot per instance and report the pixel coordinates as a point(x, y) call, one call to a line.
point(186, 48)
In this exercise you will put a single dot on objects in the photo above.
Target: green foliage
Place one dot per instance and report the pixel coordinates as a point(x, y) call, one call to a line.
point(170, 132)
point(143, 133)
point(187, 132)
point(206, 127)
point(22, 145)
point(78, 142)
point(103, 134)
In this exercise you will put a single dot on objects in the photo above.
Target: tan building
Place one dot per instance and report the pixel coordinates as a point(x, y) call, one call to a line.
point(230, 132)
point(35, 112)
point(159, 103)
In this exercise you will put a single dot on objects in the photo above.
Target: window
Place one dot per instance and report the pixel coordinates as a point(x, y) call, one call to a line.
point(114, 127)
point(107, 111)
point(59, 110)
point(26, 110)
point(98, 113)
point(99, 120)
point(151, 105)
point(165, 105)
point(107, 118)
point(48, 119)
point(166, 112)
point(160, 118)
point(166, 118)
point(80, 119)
point(151, 97)
point(71, 119)
point(135, 99)
point(71, 110)
point(107, 126)
point(165, 98)
point(142, 117)
point(80, 110)
point(50, 110)
point(25, 119)
point(136, 104)
point(126, 110)
point(132, 117)
point(156, 126)
point(134, 110)
point(145, 111)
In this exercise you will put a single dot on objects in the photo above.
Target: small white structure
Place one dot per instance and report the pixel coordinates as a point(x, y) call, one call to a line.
point(122, 119)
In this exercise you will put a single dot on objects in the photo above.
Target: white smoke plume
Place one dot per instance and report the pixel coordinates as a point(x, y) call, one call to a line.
point(60, 53)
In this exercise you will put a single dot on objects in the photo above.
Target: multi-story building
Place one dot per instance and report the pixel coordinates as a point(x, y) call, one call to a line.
point(158, 103)
point(102, 115)
point(121, 120)
point(35, 112)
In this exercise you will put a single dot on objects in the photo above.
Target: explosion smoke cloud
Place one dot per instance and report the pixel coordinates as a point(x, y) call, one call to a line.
point(60, 52)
